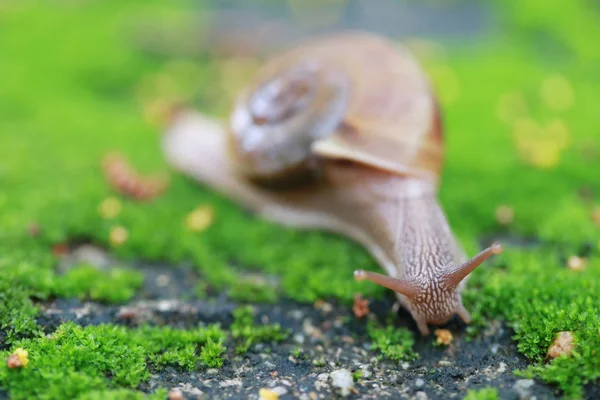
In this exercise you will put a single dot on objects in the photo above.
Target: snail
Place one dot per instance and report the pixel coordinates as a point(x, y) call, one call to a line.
point(342, 133)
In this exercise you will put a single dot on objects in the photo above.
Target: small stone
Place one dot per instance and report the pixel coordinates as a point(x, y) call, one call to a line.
point(523, 387)
point(175, 394)
point(405, 365)
point(296, 314)
point(212, 371)
point(311, 330)
point(421, 396)
point(494, 348)
point(90, 254)
point(299, 338)
point(110, 208)
point(444, 363)
point(162, 280)
point(230, 383)
point(576, 263)
point(267, 394)
point(501, 368)
point(360, 307)
point(280, 390)
point(505, 215)
point(324, 306)
point(347, 339)
point(444, 337)
point(200, 219)
point(118, 235)
point(365, 372)
point(562, 346)
point(343, 380)
point(323, 377)
point(313, 396)
point(419, 382)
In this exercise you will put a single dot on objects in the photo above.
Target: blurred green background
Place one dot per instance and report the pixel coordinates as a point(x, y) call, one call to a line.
point(518, 83)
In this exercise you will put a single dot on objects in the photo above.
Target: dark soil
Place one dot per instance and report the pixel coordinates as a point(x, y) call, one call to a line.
point(324, 337)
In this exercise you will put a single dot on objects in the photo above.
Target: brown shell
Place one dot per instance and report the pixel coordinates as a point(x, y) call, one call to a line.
point(354, 96)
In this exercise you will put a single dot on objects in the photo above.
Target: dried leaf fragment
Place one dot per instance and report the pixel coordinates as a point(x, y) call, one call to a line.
point(360, 307)
point(175, 394)
point(110, 208)
point(267, 394)
point(576, 263)
point(127, 181)
point(118, 235)
point(18, 359)
point(60, 249)
point(563, 345)
point(200, 219)
point(505, 215)
point(443, 337)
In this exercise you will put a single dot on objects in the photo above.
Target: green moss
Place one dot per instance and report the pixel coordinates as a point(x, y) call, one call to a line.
point(74, 360)
point(212, 352)
point(184, 357)
point(357, 375)
point(64, 104)
point(123, 394)
point(393, 342)
point(560, 300)
point(182, 347)
point(247, 333)
point(248, 290)
point(17, 313)
point(115, 285)
point(482, 394)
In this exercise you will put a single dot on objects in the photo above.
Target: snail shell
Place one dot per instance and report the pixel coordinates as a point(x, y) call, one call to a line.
point(352, 96)
point(341, 133)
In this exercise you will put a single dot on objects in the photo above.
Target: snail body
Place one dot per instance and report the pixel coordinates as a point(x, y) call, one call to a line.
point(341, 133)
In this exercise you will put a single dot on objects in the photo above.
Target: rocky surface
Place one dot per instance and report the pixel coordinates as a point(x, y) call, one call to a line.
point(326, 355)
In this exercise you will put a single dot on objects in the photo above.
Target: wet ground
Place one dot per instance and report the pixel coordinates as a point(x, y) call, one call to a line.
point(325, 337)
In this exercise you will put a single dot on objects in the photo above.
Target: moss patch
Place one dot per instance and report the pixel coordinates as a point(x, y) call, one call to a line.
point(559, 300)
point(520, 106)
point(247, 333)
point(17, 313)
point(73, 360)
point(393, 342)
point(482, 394)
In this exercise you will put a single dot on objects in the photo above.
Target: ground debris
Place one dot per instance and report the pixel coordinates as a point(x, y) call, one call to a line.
point(443, 337)
point(18, 359)
point(119, 173)
point(562, 346)
point(360, 307)
point(342, 379)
